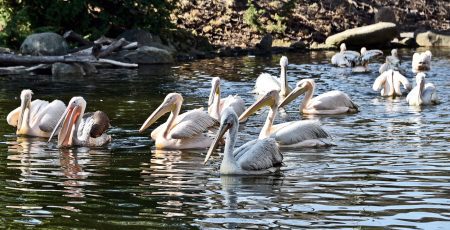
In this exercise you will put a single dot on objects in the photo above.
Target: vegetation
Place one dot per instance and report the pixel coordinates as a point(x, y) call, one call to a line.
point(92, 18)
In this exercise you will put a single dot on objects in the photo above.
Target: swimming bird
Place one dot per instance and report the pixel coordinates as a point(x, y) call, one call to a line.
point(423, 93)
point(186, 131)
point(332, 102)
point(421, 62)
point(258, 156)
point(80, 129)
point(217, 105)
point(339, 59)
point(392, 62)
point(35, 118)
point(266, 82)
point(389, 83)
point(289, 134)
point(360, 61)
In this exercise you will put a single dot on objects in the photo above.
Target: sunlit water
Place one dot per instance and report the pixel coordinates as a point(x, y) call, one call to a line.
point(390, 167)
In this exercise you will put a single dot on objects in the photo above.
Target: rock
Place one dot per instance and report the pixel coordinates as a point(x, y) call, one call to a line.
point(265, 45)
point(321, 46)
point(298, 45)
point(375, 34)
point(409, 42)
point(407, 34)
point(432, 39)
point(44, 44)
point(61, 69)
point(385, 14)
point(144, 38)
point(145, 55)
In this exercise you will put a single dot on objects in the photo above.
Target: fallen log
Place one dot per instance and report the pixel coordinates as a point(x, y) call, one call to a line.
point(111, 48)
point(72, 36)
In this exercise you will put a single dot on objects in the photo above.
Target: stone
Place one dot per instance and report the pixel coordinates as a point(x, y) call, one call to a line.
point(376, 34)
point(385, 14)
point(61, 69)
point(47, 43)
point(430, 38)
point(144, 38)
point(298, 45)
point(145, 55)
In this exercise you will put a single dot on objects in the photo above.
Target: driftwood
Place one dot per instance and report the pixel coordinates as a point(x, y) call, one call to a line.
point(72, 36)
point(111, 48)
point(15, 70)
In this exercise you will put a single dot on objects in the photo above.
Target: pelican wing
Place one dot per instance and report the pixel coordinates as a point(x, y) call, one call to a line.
point(381, 80)
point(13, 117)
point(340, 60)
point(369, 54)
point(234, 102)
point(402, 79)
point(298, 131)
point(332, 100)
point(100, 123)
point(266, 82)
point(50, 115)
point(429, 94)
point(258, 154)
point(192, 123)
point(351, 56)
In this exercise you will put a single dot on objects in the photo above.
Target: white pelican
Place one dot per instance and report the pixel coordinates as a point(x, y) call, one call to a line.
point(266, 82)
point(423, 93)
point(392, 62)
point(259, 156)
point(421, 62)
point(186, 131)
point(340, 59)
point(389, 83)
point(332, 102)
point(35, 118)
point(80, 129)
point(217, 105)
point(360, 61)
point(289, 134)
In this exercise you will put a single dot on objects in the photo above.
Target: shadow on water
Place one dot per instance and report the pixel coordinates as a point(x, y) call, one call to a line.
point(389, 167)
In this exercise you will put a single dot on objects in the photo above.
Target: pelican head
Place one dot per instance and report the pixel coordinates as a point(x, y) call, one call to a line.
point(270, 99)
point(228, 120)
point(301, 87)
point(343, 47)
point(215, 90)
point(69, 121)
point(171, 103)
point(25, 102)
point(284, 61)
point(363, 50)
point(394, 52)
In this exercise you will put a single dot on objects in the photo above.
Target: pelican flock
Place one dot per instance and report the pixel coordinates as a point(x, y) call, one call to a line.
point(77, 128)
point(200, 129)
point(35, 118)
point(332, 102)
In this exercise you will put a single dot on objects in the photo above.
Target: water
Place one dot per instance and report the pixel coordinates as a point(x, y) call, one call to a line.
point(390, 167)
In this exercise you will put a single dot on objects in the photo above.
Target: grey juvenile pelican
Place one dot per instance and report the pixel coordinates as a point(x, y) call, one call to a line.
point(35, 118)
point(259, 156)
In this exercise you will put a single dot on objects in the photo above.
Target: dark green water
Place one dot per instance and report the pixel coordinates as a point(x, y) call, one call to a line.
point(390, 167)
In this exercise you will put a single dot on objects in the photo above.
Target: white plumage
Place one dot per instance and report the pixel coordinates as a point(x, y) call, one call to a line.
point(217, 105)
point(35, 118)
point(423, 93)
point(332, 102)
point(421, 62)
point(392, 62)
point(266, 82)
point(388, 83)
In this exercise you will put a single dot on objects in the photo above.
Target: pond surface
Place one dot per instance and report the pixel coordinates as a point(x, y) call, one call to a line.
point(390, 168)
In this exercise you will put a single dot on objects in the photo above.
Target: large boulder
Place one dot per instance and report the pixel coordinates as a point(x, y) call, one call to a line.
point(375, 34)
point(62, 69)
point(44, 44)
point(146, 55)
point(432, 39)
